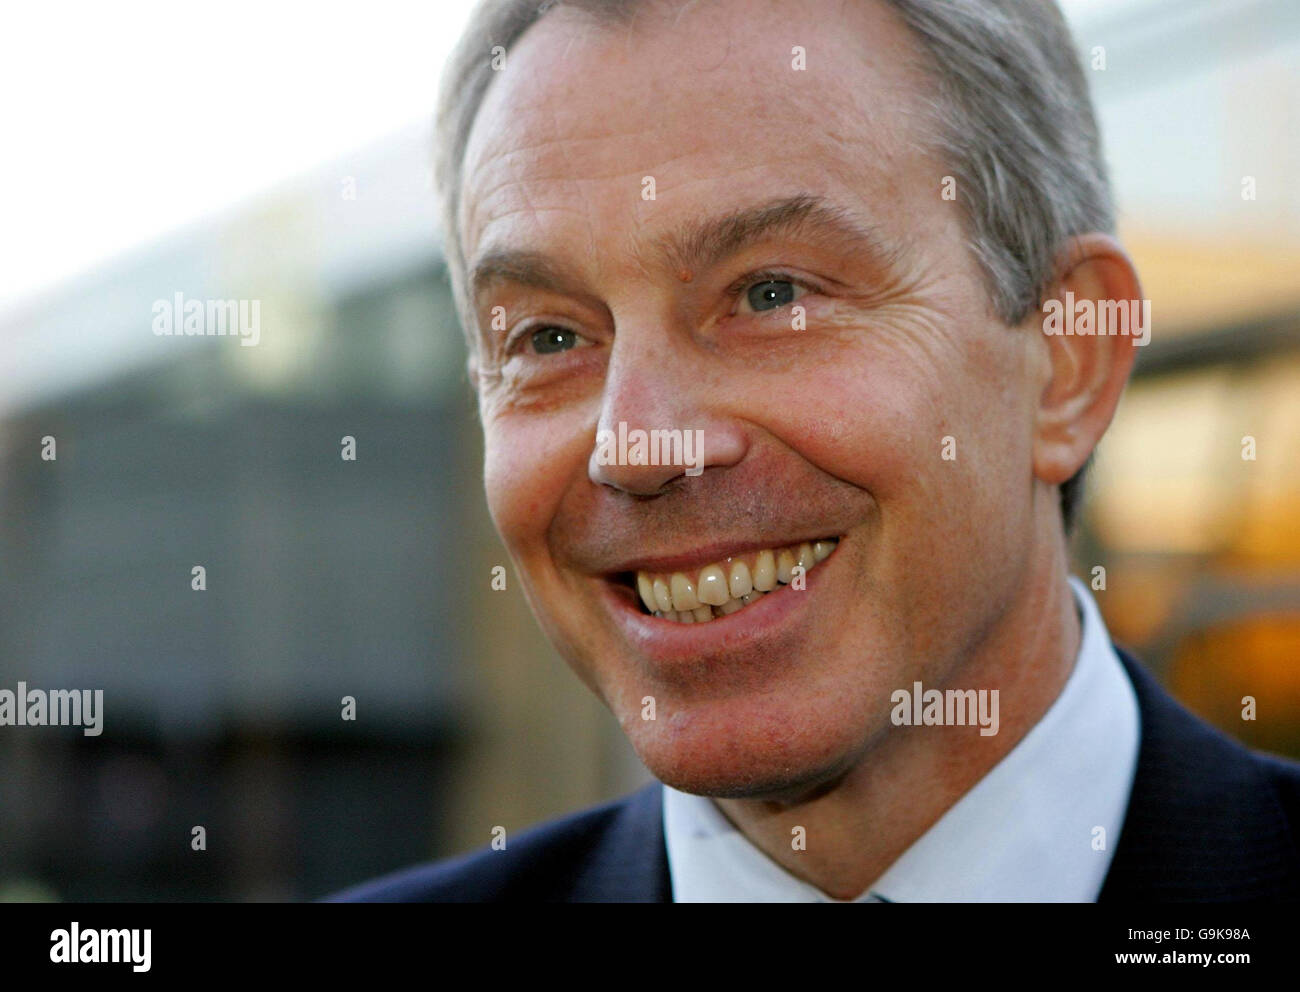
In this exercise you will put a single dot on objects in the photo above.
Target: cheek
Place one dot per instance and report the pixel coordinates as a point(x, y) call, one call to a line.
point(527, 463)
point(874, 419)
point(934, 428)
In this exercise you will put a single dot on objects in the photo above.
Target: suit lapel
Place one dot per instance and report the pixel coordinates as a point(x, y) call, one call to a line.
point(1203, 822)
point(629, 862)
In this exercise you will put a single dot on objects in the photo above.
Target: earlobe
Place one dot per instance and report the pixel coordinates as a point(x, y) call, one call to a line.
point(1092, 322)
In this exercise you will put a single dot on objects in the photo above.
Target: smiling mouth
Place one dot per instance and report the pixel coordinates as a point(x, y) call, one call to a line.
point(727, 586)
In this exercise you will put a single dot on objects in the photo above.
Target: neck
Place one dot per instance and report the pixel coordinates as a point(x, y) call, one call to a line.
point(906, 780)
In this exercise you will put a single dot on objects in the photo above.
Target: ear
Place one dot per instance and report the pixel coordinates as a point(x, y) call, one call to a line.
point(1090, 347)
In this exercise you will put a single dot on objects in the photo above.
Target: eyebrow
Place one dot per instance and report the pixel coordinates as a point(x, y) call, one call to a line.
point(699, 244)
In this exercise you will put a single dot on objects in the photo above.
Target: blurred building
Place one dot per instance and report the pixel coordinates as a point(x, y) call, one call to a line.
point(326, 578)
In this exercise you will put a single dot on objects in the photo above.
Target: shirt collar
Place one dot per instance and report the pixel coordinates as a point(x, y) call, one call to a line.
point(1040, 826)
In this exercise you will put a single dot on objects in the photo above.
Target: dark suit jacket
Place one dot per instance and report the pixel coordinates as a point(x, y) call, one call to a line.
point(1207, 820)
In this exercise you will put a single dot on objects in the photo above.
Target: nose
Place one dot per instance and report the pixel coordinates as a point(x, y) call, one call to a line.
point(662, 417)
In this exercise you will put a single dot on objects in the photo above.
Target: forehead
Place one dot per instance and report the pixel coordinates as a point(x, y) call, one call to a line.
point(707, 100)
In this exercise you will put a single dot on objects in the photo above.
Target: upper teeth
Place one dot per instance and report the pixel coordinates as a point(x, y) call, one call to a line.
point(726, 586)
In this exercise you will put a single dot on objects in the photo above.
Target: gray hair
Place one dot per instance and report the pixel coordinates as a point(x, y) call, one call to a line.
point(1013, 123)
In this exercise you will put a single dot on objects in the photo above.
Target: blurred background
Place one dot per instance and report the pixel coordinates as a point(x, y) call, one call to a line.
point(234, 152)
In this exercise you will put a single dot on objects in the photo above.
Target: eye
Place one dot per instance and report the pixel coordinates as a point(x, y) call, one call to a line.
point(551, 340)
point(768, 291)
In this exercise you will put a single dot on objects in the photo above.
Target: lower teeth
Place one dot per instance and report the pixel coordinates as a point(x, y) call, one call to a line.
point(698, 616)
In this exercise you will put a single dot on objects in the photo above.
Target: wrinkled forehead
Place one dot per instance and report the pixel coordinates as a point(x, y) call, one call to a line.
point(582, 112)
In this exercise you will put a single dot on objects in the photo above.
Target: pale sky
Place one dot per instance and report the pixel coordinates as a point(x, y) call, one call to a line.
point(124, 121)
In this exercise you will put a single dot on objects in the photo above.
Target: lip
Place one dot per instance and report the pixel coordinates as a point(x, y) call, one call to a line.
point(747, 636)
point(709, 554)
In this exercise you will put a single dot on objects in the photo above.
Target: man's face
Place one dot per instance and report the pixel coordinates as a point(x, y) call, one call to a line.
point(831, 430)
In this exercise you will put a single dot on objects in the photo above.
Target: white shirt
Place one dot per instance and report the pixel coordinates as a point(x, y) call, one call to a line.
point(1026, 832)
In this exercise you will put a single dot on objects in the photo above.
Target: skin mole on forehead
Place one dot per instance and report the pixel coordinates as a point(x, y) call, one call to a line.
point(685, 275)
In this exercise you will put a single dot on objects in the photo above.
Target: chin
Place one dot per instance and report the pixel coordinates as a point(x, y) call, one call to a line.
point(746, 755)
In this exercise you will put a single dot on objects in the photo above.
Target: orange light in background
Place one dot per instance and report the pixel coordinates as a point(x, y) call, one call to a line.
point(1212, 671)
point(1268, 520)
point(1162, 483)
